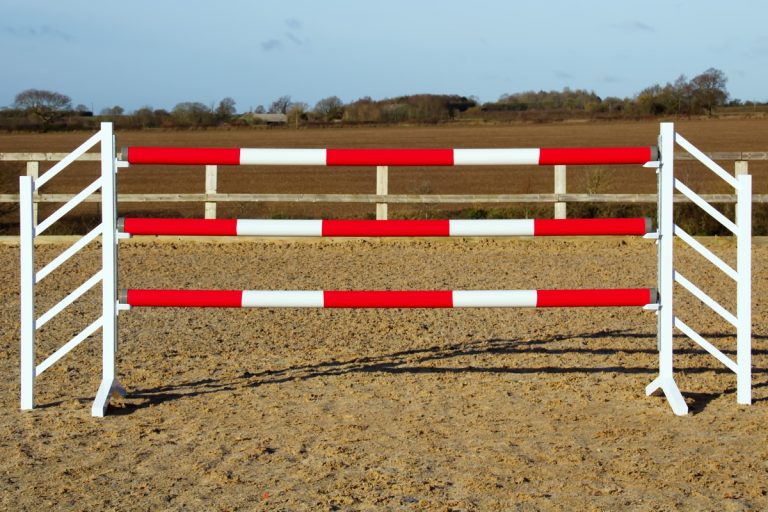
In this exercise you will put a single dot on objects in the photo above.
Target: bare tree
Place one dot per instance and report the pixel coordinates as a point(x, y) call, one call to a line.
point(281, 105)
point(708, 89)
point(226, 109)
point(330, 108)
point(45, 105)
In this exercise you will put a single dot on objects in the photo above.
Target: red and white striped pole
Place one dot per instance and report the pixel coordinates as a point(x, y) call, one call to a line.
point(389, 157)
point(617, 297)
point(385, 228)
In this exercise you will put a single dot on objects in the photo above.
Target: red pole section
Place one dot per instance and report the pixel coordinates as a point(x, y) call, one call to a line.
point(595, 297)
point(394, 157)
point(591, 227)
point(388, 299)
point(181, 227)
point(383, 228)
point(596, 156)
point(184, 298)
point(183, 156)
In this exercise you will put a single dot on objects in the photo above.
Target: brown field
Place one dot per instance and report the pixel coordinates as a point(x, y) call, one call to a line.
point(445, 410)
point(709, 135)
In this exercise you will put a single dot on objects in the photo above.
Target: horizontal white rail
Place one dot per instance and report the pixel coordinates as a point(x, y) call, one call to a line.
point(696, 337)
point(703, 158)
point(72, 203)
point(701, 203)
point(69, 299)
point(706, 299)
point(68, 346)
point(64, 256)
point(701, 249)
point(56, 169)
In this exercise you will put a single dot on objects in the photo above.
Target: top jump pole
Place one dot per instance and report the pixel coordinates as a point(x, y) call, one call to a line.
point(389, 157)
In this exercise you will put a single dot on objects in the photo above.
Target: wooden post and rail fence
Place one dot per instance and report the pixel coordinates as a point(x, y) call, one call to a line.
point(211, 197)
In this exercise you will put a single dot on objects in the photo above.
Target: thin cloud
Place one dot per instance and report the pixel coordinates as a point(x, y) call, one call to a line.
point(636, 26)
point(293, 23)
point(43, 31)
point(563, 75)
point(271, 45)
point(294, 38)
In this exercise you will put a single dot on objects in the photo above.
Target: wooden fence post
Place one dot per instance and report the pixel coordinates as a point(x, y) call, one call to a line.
point(560, 212)
point(33, 169)
point(382, 187)
point(210, 188)
point(742, 168)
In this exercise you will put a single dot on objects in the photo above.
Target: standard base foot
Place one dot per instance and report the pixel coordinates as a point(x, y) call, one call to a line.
point(101, 402)
point(672, 393)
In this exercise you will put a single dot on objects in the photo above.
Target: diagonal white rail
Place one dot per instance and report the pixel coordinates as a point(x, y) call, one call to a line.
point(701, 203)
point(71, 251)
point(68, 206)
point(64, 350)
point(701, 249)
point(66, 161)
point(69, 299)
point(706, 299)
point(704, 159)
point(703, 343)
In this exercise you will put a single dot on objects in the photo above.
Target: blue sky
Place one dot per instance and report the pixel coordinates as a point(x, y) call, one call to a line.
point(162, 52)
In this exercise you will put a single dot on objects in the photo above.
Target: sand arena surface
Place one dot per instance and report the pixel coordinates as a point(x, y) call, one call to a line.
point(288, 409)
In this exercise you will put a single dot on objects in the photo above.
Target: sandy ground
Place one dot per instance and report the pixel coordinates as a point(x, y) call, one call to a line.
point(384, 409)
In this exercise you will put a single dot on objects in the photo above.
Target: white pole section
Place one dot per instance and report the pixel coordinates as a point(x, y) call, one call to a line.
point(382, 188)
point(744, 290)
point(27, 298)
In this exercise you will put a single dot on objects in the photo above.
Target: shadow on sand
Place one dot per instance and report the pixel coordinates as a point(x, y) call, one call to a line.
point(422, 361)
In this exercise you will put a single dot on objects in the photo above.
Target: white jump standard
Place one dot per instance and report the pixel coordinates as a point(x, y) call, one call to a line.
point(112, 229)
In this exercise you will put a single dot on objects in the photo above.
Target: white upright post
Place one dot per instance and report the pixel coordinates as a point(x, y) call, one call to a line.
point(666, 273)
point(27, 297)
point(211, 172)
point(560, 188)
point(744, 290)
point(382, 188)
point(109, 266)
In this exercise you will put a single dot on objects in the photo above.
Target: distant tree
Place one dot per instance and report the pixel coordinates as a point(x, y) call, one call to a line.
point(117, 110)
point(47, 106)
point(330, 108)
point(681, 95)
point(280, 105)
point(226, 109)
point(708, 89)
point(191, 113)
point(260, 110)
point(297, 112)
